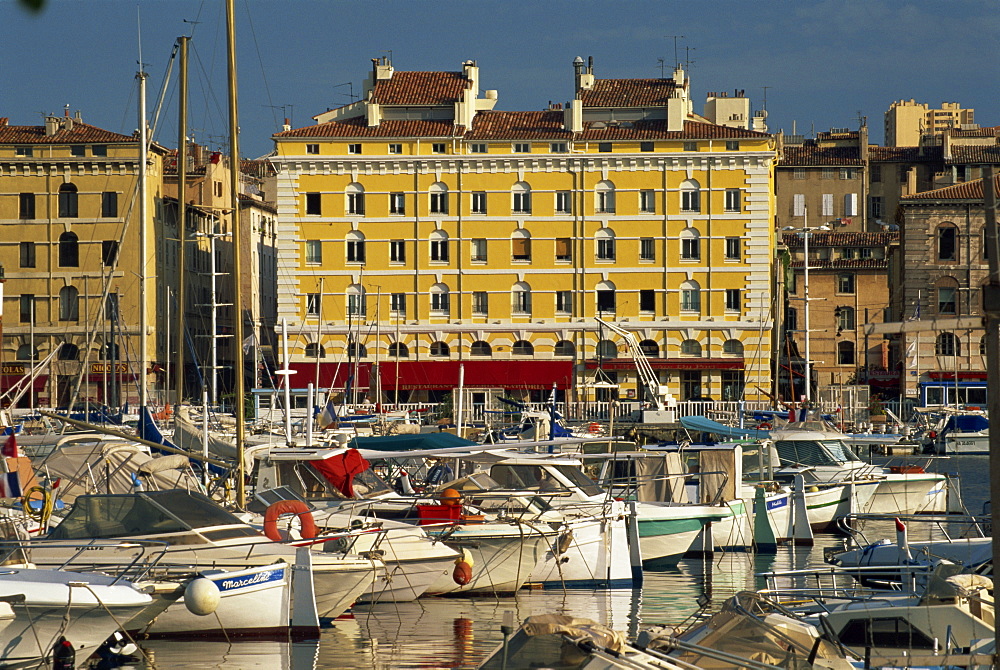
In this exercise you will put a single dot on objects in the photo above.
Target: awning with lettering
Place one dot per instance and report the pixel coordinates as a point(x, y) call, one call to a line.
point(411, 375)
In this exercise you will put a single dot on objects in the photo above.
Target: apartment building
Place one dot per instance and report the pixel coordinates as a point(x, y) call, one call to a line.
point(70, 250)
point(908, 123)
point(422, 232)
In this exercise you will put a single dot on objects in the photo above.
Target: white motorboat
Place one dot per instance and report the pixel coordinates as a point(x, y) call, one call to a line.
point(821, 454)
point(41, 606)
point(204, 537)
point(501, 552)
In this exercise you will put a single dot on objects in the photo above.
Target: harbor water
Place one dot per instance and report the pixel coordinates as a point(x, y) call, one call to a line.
point(461, 632)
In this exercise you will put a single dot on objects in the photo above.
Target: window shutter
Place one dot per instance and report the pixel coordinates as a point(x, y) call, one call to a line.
point(828, 204)
point(562, 247)
point(850, 204)
point(521, 247)
point(799, 204)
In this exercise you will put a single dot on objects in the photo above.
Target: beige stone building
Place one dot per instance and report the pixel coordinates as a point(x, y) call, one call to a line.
point(908, 122)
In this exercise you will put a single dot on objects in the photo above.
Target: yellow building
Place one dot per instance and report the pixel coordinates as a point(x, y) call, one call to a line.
point(70, 251)
point(907, 121)
point(423, 229)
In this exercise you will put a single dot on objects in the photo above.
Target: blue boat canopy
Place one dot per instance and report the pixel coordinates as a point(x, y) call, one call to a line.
point(706, 425)
point(410, 442)
point(967, 423)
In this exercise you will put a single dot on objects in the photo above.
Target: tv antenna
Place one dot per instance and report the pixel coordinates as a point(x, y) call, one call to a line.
point(661, 63)
point(350, 84)
point(676, 37)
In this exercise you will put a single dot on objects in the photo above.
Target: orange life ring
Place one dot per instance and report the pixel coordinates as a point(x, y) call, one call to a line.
point(764, 426)
point(594, 428)
point(296, 507)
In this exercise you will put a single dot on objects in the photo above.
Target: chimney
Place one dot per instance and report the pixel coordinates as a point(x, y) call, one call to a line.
point(584, 75)
point(78, 116)
point(287, 126)
point(51, 125)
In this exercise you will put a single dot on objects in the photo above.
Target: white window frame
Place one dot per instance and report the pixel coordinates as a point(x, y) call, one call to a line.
point(395, 148)
point(799, 204)
point(734, 248)
point(397, 251)
point(850, 204)
point(354, 148)
point(521, 148)
point(647, 201)
point(397, 304)
point(314, 252)
point(734, 302)
point(439, 148)
point(563, 202)
point(647, 249)
point(312, 148)
point(480, 303)
point(478, 202)
point(558, 148)
point(564, 302)
point(397, 203)
point(478, 148)
point(734, 200)
point(827, 207)
point(478, 249)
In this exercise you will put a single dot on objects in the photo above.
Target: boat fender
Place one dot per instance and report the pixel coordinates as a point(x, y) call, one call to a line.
point(813, 489)
point(462, 574)
point(563, 542)
point(201, 596)
point(594, 428)
point(764, 426)
point(296, 507)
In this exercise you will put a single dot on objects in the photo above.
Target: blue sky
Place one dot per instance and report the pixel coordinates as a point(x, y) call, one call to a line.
point(824, 62)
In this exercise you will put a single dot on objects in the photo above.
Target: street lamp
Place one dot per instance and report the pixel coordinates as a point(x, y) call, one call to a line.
point(805, 233)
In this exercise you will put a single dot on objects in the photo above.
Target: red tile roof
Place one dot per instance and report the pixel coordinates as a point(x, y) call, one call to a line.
point(81, 133)
point(964, 155)
point(657, 130)
point(970, 190)
point(835, 239)
point(358, 127)
point(420, 88)
point(976, 132)
point(810, 154)
point(905, 154)
point(628, 93)
point(843, 264)
point(496, 125)
point(259, 167)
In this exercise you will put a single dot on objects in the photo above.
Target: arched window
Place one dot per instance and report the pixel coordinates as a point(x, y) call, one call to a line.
point(947, 344)
point(520, 295)
point(69, 304)
point(845, 353)
point(69, 352)
point(355, 247)
point(356, 350)
point(732, 348)
point(947, 242)
point(439, 246)
point(355, 199)
point(607, 349)
point(606, 300)
point(604, 240)
point(69, 200)
point(691, 348)
point(520, 245)
point(690, 196)
point(398, 350)
point(690, 296)
point(605, 193)
point(522, 348)
point(440, 349)
point(438, 198)
point(480, 348)
point(69, 250)
point(314, 350)
point(521, 198)
point(356, 301)
point(564, 348)
point(440, 300)
point(845, 318)
point(690, 244)
point(650, 348)
point(947, 295)
point(26, 353)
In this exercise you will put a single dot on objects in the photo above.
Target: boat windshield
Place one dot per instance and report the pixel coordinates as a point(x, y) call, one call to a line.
point(150, 513)
point(536, 477)
point(814, 452)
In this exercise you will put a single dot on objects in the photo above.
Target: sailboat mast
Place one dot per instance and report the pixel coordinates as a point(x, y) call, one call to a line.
point(234, 192)
point(182, 105)
point(143, 225)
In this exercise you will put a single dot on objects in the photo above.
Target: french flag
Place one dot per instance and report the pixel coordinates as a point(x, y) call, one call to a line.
point(9, 449)
point(795, 415)
point(10, 485)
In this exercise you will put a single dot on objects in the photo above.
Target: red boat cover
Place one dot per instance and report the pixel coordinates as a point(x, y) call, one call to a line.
point(340, 470)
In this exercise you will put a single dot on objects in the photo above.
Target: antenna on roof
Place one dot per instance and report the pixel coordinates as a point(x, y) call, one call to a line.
point(687, 56)
point(289, 116)
point(388, 51)
point(661, 62)
point(765, 101)
point(351, 89)
point(676, 37)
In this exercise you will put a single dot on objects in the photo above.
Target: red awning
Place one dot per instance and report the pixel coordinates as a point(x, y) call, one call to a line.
point(443, 375)
point(967, 375)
